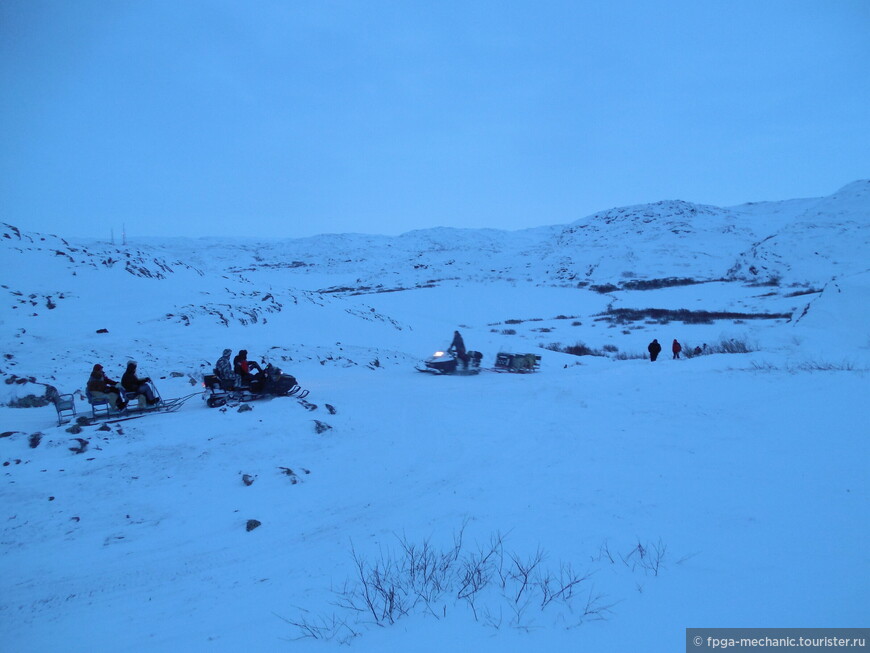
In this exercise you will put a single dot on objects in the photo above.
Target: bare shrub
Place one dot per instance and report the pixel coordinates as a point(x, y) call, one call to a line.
point(731, 346)
point(629, 356)
point(724, 346)
point(808, 366)
point(818, 366)
point(579, 349)
point(492, 582)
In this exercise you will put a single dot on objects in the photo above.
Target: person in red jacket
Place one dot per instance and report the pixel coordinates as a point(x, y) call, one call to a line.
point(676, 348)
point(245, 369)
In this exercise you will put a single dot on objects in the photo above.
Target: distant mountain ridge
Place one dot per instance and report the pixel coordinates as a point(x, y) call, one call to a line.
point(804, 241)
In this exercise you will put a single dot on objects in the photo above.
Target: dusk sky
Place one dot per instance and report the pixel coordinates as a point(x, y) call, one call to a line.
point(293, 118)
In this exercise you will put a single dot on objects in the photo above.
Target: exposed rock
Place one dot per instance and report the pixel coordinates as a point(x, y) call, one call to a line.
point(34, 440)
point(244, 408)
point(321, 427)
point(252, 524)
point(290, 473)
point(29, 401)
point(248, 480)
point(83, 445)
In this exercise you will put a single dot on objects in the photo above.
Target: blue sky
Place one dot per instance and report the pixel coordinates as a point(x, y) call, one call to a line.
point(301, 117)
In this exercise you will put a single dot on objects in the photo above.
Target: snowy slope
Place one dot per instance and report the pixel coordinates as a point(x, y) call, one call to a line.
point(675, 494)
point(803, 242)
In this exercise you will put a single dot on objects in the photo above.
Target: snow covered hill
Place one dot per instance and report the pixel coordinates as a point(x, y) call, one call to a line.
point(602, 503)
point(803, 242)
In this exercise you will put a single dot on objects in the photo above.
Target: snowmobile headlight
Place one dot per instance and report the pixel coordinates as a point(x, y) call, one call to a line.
point(438, 354)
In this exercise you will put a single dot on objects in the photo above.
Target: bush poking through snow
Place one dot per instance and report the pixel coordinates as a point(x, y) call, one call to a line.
point(626, 356)
point(498, 587)
point(724, 346)
point(809, 366)
point(578, 349)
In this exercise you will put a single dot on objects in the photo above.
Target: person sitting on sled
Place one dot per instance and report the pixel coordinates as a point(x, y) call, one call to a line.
point(102, 387)
point(133, 385)
point(458, 346)
point(242, 367)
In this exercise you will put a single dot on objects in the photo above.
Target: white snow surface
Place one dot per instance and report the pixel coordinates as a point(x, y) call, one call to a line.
point(728, 489)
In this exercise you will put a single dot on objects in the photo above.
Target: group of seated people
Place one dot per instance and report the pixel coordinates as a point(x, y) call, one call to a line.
point(132, 386)
point(241, 373)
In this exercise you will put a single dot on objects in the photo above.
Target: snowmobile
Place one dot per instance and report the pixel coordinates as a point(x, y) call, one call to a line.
point(447, 362)
point(272, 383)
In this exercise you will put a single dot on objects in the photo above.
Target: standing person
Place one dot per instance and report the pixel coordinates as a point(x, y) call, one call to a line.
point(458, 345)
point(242, 367)
point(102, 387)
point(133, 385)
point(676, 348)
point(654, 349)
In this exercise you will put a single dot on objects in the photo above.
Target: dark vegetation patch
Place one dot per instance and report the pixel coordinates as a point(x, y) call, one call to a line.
point(772, 281)
point(655, 284)
point(371, 290)
point(805, 291)
point(578, 349)
point(647, 284)
point(604, 288)
point(684, 315)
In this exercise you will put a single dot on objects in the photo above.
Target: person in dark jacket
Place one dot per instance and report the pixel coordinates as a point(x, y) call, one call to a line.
point(654, 349)
point(458, 346)
point(102, 387)
point(134, 385)
point(243, 367)
point(676, 348)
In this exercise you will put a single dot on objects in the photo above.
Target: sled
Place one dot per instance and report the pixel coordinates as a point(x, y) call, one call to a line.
point(519, 363)
point(103, 410)
point(65, 405)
